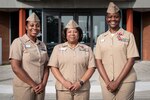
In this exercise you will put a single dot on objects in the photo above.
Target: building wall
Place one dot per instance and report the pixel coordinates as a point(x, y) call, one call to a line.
point(146, 35)
point(4, 31)
point(72, 3)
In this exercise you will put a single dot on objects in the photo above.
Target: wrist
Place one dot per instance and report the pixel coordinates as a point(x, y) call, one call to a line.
point(44, 83)
point(107, 83)
point(33, 85)
point(118, 81)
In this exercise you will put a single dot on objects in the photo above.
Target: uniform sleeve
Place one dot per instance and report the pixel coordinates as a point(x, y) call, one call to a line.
point(16, 50)
point(53, 61)
point(132, 48)
point(91, 59)
point(98, 49)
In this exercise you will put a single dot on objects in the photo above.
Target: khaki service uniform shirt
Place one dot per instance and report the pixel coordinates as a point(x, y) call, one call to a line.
point(114, 52)
point(72, 63)
point(33, 56)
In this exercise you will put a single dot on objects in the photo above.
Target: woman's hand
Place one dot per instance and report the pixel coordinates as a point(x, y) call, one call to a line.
point(75, 86)
point(113, 86)
point(39, 88)
point(67, 84)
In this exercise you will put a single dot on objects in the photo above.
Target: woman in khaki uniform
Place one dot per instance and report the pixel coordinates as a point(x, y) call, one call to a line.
point(115, 53)
point(28, 57)
point(72, 64)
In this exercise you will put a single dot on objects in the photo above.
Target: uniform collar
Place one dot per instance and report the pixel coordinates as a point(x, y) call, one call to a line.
point(28, 39)
point(119, 32)
point(67, 45)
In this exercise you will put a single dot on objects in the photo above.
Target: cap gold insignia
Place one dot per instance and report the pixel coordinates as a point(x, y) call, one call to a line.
point(33, 17)
point(112, 8)
point(72, 24)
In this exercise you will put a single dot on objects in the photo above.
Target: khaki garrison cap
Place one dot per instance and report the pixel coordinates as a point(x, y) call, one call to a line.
point(72, 24)
point(112, 8)
point(33, 17)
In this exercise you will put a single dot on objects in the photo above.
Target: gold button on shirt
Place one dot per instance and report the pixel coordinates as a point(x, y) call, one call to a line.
point(114, 52)
point(72, 62)
point(33, 56)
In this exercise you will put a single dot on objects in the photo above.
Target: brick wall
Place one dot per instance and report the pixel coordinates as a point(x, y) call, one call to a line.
point(4, 31)
point(146, 35)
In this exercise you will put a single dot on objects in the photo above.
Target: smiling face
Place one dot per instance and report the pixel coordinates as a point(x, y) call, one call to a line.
point(113, 20)
point(72, 35)
point(33, 28)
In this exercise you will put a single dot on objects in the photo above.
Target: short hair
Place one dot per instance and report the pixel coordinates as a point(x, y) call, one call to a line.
point(78, 29)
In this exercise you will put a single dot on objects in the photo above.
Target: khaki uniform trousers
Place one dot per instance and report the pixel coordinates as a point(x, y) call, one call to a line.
point(125, 92)
point(67, 95)
point(26, 93)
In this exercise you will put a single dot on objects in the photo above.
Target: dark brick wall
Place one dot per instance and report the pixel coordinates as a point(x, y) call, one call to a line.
point(4, 31)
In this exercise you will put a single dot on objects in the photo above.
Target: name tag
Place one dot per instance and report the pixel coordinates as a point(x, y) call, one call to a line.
point(102, 40)
point(63, 49)
point(27, 46)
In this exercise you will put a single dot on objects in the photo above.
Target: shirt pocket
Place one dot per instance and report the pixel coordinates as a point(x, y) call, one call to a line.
point(44, 56)
point(105, 46)
point(26, 56)
point(63, 57)
point(34, 55)
point(122, 45)
point(83, 58)
point(31, 55)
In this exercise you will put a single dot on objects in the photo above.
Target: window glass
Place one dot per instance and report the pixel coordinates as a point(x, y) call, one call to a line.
point(98, 26)
point(84, 23)
point(64, 21)
point(52, 29)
